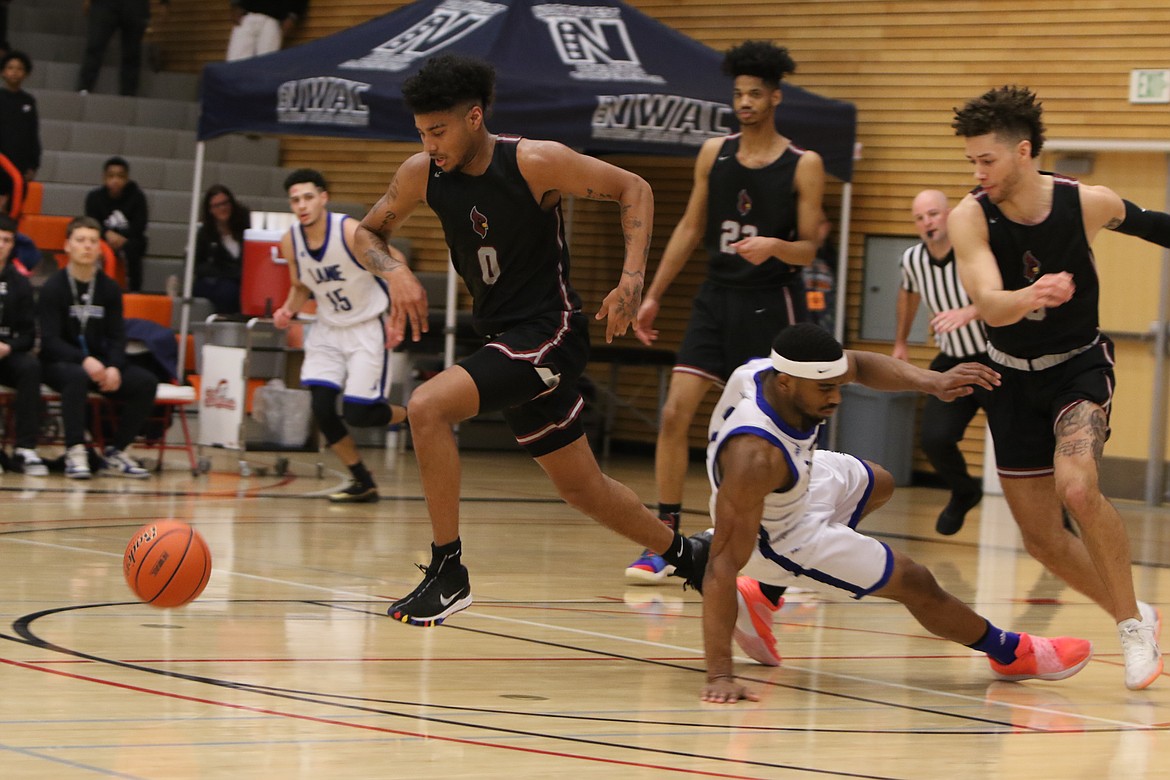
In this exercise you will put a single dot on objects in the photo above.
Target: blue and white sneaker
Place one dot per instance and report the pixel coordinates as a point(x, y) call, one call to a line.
point(120, 464)
point(649, 569)
point(77, 462)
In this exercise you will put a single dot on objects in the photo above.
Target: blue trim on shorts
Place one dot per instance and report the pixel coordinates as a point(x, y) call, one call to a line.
point(353, 399)
point(321, 383)
point(885, 574)
point(857, 513)
point(794, 568)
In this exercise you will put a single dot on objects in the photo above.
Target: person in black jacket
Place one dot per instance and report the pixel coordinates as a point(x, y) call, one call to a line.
point(19, 368)
point(20, 135)
point(219, 247)
point(119, 206)
point(131, 20)
point(83, 349)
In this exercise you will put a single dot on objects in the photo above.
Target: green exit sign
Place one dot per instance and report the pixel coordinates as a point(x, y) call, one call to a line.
point(1149, 86)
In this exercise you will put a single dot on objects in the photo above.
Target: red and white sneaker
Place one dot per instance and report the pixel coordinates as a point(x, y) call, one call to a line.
point(753, 623)
point(1040, 658)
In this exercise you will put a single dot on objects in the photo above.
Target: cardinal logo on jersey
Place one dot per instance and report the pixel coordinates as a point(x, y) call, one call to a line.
point(743, 203)
point(479, 223)
point(1031, 267)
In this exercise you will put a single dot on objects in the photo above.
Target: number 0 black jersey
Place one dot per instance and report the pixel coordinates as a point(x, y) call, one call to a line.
point(511, 253)
point(1025, 252)
point(744, 202)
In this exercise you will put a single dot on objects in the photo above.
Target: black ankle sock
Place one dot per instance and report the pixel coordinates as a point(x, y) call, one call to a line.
point(772, 593)
point(361, 474)
point(679, 554)
point(449, 553)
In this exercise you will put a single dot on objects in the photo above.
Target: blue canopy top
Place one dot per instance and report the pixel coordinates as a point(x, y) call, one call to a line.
point(596, 75)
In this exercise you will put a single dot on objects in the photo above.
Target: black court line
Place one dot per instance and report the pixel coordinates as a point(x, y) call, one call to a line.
point(22, 627)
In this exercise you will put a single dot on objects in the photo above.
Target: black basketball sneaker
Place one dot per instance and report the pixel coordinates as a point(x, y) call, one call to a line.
point(444, 590)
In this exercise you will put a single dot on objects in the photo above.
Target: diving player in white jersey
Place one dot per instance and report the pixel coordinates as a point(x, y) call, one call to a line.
point(785, 516)
point(346, 347)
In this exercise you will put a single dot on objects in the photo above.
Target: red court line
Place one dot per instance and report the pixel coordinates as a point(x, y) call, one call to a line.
point(376, 729)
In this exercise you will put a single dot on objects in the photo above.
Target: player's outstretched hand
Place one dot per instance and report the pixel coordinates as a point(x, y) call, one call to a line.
point(725, 690)
point(963, 379)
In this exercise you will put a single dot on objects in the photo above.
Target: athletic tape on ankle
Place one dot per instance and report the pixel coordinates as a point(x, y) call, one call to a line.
point(810, 369)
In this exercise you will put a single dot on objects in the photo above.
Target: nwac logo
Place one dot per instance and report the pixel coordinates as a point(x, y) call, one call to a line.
point(594, 41)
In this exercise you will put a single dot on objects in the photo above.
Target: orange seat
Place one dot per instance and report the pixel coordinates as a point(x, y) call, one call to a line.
point(160, 309)
point(46, 230)
point(34, 197)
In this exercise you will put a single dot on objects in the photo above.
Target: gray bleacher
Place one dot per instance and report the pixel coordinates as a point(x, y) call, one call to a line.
point(155, 132)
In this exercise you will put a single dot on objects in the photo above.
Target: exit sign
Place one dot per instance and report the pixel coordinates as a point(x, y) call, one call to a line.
point(1149, 86)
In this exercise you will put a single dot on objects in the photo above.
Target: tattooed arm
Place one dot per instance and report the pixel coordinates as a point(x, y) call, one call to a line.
point(408, 299)
point(551, 168)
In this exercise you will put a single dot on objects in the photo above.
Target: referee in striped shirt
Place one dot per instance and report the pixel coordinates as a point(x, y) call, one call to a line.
point(929, 273)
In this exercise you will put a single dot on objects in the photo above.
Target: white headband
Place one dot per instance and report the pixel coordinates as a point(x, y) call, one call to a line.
point(810, 369)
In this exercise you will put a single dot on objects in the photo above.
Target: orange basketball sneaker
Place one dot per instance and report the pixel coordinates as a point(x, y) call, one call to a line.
point(753, 624)
point(1040, 658)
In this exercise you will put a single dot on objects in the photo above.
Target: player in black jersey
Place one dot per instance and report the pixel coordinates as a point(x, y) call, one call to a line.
point(498, 199)
point(756, 204)
point(1022, 241)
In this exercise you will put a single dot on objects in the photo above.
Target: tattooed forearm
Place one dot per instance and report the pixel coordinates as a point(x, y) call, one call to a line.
point(377, 258)
point(593, 194)
point(389, 217)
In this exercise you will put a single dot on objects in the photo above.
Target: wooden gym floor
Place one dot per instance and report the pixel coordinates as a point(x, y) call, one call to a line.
point(287, 667)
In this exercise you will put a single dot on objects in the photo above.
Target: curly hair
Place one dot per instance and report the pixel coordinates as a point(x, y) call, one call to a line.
point(305, 176)
point(761, 59)
point(1010, 112)
point(447, 81)
point(807, 343)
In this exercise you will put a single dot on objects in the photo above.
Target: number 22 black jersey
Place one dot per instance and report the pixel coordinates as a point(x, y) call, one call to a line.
point(510, 252)
point(744, 202)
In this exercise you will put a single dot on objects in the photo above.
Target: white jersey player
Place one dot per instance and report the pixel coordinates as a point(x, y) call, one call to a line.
point(784, 514)
point(345, 351)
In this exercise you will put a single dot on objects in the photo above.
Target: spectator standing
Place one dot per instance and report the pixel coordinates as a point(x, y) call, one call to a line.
point(261, 26)
point(20, 133)
point(19, 367)
point(131, 18)
point(83, 349)
point(119, 206)
point(219, 248)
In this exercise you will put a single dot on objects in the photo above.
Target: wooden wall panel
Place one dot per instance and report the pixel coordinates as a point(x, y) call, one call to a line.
point(905, 65)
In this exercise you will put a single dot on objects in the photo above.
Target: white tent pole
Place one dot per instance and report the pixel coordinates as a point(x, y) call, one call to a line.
point(842, 261)
point(449, 316)
point(842, 280)
point(189, 265)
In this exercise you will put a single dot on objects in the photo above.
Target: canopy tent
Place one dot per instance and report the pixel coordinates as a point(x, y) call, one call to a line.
point(596, 75)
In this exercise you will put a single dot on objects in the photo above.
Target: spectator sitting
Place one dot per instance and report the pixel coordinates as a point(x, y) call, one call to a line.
point(19, 367)
point(261, 25)
point(218, 248)
point(119, 206)
point(20, 135)
point(83, 348)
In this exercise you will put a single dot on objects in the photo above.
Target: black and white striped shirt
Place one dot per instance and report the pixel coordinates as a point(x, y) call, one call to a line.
point(937, 281)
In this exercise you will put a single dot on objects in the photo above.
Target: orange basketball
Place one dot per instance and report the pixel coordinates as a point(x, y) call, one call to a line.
point(167, 563)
